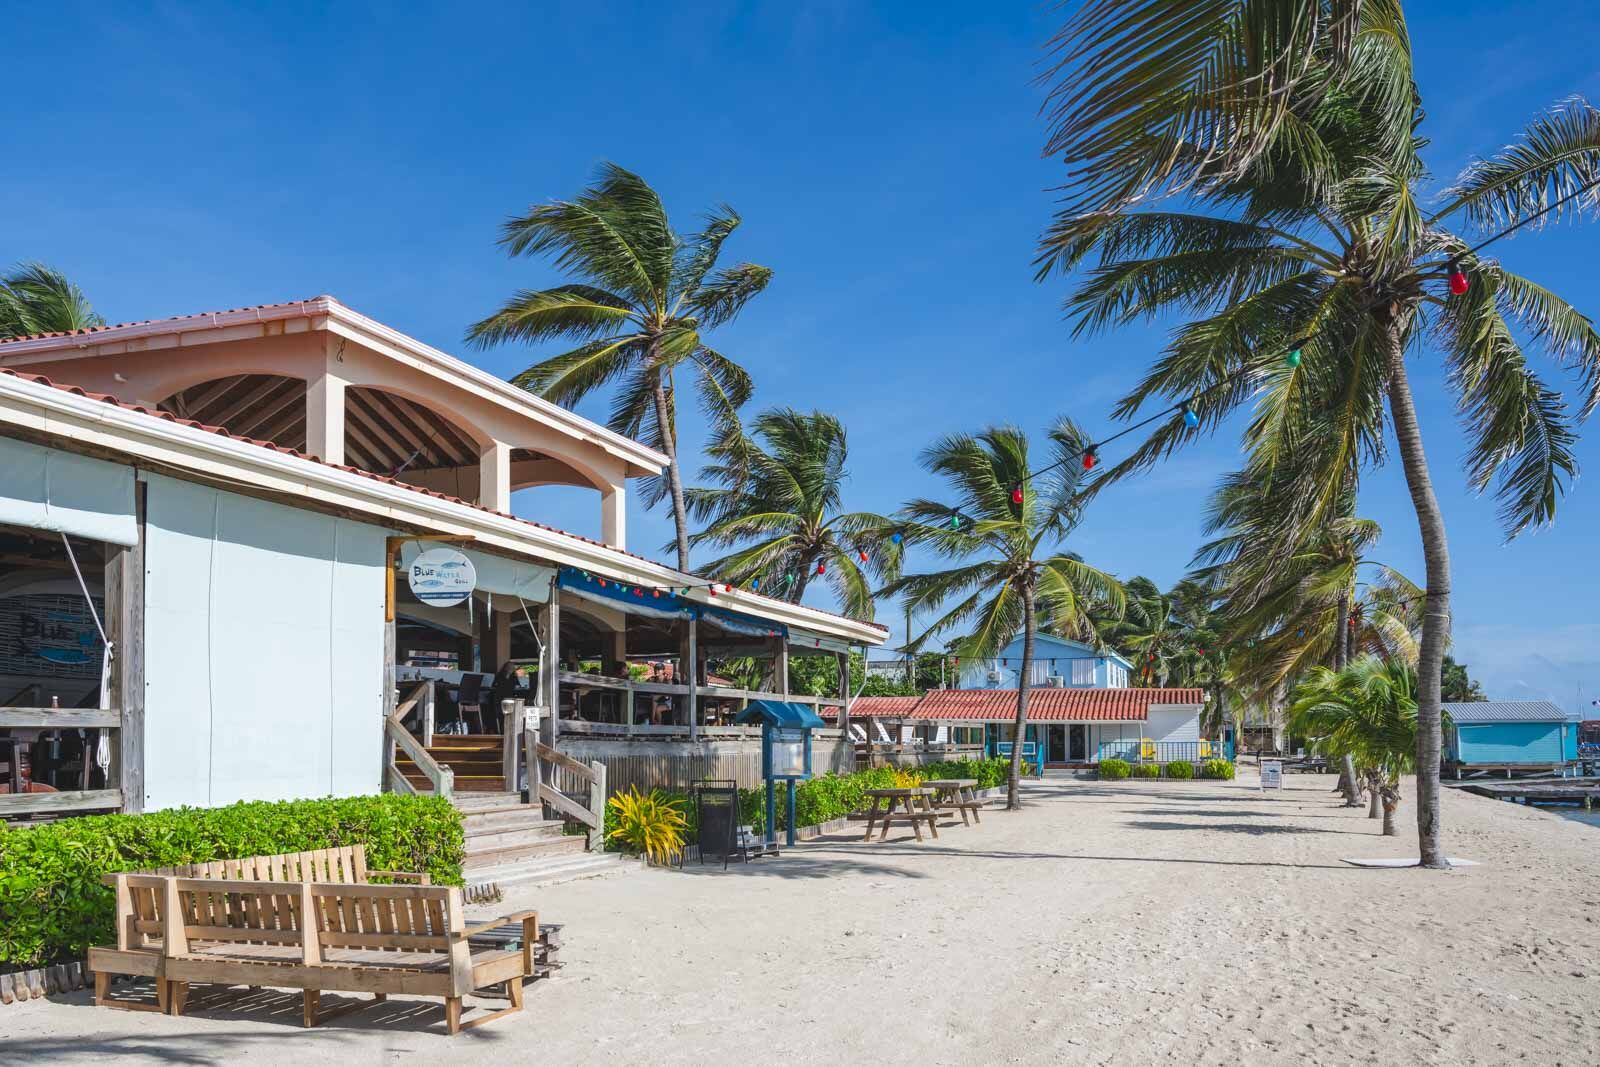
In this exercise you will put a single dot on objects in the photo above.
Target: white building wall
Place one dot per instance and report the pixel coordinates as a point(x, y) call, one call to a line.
point(263, 650)
point(1173, 724)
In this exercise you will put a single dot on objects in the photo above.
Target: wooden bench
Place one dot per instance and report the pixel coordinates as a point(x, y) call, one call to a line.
point(140, 906)
point(321, 937)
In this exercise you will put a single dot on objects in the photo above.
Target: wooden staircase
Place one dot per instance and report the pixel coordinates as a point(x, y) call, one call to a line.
point(477, 760)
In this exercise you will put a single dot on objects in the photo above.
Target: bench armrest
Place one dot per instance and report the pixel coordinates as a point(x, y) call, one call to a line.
point(421, 878)
point(516, 917)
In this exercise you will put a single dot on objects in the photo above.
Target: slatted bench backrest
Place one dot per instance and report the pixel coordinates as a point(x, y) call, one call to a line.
point(346, 865)
point(374, 917)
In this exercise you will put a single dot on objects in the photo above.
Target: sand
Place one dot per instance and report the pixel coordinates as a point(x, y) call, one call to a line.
point(1129, 922)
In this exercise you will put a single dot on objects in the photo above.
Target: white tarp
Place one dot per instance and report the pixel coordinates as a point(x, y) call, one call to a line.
point(264, 639)
point(806, 641)
point(47, 489)
point(496, 574)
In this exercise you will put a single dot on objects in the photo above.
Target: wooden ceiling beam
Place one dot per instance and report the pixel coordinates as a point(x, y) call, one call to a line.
point(269, 411)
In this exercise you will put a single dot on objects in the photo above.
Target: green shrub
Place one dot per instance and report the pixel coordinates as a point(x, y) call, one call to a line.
point(1114, 769)
point(1147, 770)
point(1180, 768)
point(649, 823)
point(1217, 768)
point(53, 907)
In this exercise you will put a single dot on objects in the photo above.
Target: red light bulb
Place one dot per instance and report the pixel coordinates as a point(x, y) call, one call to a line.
point(863, 555)
point(1458, 282)
point(1088, 461)
point(1016, 495)
point(822, 568)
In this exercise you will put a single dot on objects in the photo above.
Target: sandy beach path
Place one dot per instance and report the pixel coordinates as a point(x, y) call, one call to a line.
point(1128, 922)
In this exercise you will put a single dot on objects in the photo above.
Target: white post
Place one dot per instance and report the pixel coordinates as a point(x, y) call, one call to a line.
point(325, 412)
point(694, 684)
point(494, 477)
point(614, 516)
point(553, 682)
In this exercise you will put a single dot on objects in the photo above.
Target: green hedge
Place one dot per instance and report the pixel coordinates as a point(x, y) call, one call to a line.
point(833, 796)
point(1217, 768)
point(1180, 768)
point(1114, 769)
point(1147, 770)
point(53, 907)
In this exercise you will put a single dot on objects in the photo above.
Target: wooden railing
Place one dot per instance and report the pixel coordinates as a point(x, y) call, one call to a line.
point(398, 739)
point(25, 725)
point(575, 790)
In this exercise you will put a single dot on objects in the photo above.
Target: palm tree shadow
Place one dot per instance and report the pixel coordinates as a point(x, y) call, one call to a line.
point(1253, 829)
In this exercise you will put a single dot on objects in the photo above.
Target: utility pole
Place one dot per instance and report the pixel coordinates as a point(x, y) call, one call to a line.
point(911, 662)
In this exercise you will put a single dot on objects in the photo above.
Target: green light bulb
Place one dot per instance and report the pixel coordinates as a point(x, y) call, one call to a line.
point(1294, 358)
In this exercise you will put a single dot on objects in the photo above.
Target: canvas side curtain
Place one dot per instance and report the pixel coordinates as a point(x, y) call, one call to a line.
point(48, 489)
point(264, 649)
point(806, 641)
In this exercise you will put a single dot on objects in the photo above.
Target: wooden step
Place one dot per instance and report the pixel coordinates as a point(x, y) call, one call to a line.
point(526, 817)
point(542, 848)
point(491, 802)
point(463, 783)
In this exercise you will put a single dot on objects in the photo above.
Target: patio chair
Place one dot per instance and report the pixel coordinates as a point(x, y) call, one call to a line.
point(469, 698)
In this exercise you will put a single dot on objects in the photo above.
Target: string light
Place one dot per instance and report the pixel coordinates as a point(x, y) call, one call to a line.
point(1293, 358)
point(897, 537)
point(1190, 419)
point(863, 555)
point(1089, 460)
point(1458, 281)
point(755, 583)
point(822, 568)
point(1016, 495)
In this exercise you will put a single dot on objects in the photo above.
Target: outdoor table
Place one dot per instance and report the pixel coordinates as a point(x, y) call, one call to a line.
point(957, 793)
point(908, 805)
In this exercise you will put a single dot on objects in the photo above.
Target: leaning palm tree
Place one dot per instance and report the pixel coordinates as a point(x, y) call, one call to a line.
point(1367, 711)
point(641, 297)
point(1308, 266)
point(778, 505)
point(1004, 529)
point(36, 299)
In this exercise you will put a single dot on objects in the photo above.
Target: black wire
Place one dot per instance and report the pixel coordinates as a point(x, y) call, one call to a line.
point(1513, 228)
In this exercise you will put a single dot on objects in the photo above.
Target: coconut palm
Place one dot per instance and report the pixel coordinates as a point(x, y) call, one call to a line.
point(641, 299)
point(777, 503)
point(1004, 529)
point(36, 299)
point(1308, 266)
point(1367, 711)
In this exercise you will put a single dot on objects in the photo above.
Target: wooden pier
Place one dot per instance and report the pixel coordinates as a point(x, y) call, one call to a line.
point(1581, 791)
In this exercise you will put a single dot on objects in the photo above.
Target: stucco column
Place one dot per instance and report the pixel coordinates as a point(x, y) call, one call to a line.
point(494, 477)
point(325, 416)
point(614, 516)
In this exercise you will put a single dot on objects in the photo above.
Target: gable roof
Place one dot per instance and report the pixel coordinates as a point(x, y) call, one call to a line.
point(1085, 650)
point(119, 419)
point(1044, 705)
point(1506, 711)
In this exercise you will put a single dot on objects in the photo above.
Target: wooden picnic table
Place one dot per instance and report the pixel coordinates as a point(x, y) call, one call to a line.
point(914, 805)
point(958, 794)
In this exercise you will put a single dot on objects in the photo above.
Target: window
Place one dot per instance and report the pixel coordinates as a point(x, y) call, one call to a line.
point(1116, 676)
point(1083, 672)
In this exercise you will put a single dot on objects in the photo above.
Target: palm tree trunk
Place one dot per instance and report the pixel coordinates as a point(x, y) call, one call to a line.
point(1391, 803)
point(1029, 624)
point(669, 444)
point(1352, 794)
point(1436, 620)
point(1374, 791)
point(1341, 645)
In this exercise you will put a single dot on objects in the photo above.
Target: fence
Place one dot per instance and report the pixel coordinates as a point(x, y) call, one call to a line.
point(1145, 750)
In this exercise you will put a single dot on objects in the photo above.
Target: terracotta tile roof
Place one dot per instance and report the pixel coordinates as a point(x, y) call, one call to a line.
point(220, 431)
point(1044, 705)
point(150, 322)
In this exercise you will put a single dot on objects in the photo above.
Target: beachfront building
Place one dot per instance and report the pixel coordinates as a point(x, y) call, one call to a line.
point(1058, 663)
point(1066, 727)
point(1491, 736)
point(232, 503)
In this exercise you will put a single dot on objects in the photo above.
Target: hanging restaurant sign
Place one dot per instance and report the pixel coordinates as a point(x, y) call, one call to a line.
point(442, 577)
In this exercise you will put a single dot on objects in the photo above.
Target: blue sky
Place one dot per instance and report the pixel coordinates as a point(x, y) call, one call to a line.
point(886, 161)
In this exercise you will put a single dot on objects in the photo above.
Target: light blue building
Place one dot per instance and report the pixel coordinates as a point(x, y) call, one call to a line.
point(1057, 663)
point(1509, 735)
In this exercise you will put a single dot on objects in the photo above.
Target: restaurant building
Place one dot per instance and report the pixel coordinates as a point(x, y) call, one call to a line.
point(230, 504)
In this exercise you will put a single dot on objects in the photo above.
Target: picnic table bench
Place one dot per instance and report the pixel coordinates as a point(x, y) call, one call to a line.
point(912, 805)
point(957, 794)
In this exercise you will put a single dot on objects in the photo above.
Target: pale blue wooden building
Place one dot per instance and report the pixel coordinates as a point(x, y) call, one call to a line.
point(1509, 735)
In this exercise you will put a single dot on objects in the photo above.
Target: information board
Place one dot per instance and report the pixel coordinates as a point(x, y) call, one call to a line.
point(718, 812)
point(788, 753)
point(1271, 774)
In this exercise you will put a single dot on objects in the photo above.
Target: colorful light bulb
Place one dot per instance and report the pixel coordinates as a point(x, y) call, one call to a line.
point(1016, 495)
point(1190, 419)
point(1089, 460)
point(822, 568)
point(863, 555)
point(1458, 282)
point(897, 538)
point(1293, 358)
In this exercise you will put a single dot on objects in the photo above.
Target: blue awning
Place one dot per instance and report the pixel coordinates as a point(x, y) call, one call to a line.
point(781, 713)
point(738, 623)
point(639, 599)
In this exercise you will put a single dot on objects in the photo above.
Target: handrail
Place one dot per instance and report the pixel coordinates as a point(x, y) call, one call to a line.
point(442, 778)
point(60, 718)
point(590, 777)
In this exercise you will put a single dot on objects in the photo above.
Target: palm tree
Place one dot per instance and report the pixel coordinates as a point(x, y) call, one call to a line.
point(1309, 267)
point(643, 294)
point(1368, 711)
point(36, 299)
point(1005, 530)
point(778, 500)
